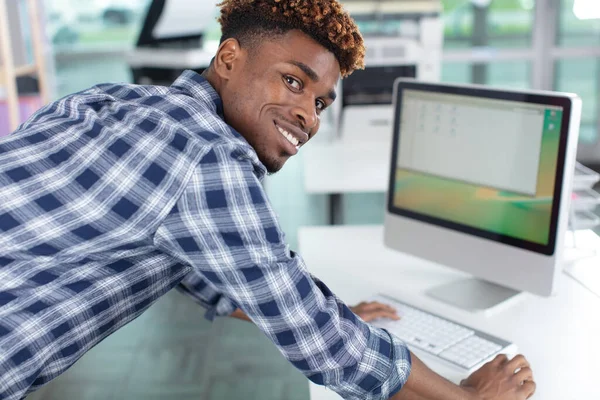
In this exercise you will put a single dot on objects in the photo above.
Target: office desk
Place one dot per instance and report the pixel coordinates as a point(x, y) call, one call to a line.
point(559, 335)
point(344, 166)
point(161, 66)
point(169, 58)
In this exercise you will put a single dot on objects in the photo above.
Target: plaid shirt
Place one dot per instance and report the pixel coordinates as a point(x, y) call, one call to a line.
point(113, 196)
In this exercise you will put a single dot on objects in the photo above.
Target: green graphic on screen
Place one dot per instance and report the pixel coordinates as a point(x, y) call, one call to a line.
point(519, 215)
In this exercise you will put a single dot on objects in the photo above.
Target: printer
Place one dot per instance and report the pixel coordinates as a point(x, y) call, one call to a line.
point(171, 40)
point(403, 38)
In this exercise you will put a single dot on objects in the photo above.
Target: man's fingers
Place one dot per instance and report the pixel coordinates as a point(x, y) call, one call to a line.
point(524, 374)
point(518, 361)
point(528, 388)
point(374, 305)
point(500, 359)
point(373, 310)
point(371, 315)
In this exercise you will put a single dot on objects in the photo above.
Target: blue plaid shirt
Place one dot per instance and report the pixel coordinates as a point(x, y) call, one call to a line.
point(113, 196)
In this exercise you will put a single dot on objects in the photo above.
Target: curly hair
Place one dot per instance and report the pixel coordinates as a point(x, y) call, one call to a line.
point(325, 21)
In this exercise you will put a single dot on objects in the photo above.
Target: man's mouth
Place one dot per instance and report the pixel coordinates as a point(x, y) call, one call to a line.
point(288, 136)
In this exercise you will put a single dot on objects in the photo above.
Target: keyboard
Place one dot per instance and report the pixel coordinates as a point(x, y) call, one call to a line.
point(458, 346)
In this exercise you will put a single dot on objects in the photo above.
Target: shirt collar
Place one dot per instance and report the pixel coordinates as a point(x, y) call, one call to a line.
point(195, 84)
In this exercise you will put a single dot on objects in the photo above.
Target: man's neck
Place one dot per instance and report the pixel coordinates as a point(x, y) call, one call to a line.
point(213, 79)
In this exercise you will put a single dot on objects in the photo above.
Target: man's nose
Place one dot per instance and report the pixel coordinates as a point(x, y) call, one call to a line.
point(306, 113)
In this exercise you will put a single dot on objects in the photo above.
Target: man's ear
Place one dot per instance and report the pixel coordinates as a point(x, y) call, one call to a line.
point(228, 56)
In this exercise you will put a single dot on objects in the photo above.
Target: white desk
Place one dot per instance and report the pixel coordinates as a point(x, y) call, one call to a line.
point(340, 167)
point(346, 167)
point(559, 335)
point(169, 58)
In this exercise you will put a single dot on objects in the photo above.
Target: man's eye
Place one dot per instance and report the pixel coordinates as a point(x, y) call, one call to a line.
point(321, 105)
point(293, 82)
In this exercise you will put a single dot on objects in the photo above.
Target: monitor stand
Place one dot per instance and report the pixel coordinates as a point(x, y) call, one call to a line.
point(474, 295)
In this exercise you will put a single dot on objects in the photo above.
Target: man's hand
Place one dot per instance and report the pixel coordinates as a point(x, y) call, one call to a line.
point(501, 379)
point(373, 310)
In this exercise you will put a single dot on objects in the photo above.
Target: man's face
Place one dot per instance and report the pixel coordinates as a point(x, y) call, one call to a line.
point(274, 96)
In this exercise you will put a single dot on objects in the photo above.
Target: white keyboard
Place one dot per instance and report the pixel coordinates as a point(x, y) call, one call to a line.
point(454, 344)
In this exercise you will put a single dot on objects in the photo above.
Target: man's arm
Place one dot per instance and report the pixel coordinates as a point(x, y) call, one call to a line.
point(202, 292)
point(225, 229)
point(239, 314)
point(366, 311)
point(424, 384)
point(495, 380)
point(499, 379)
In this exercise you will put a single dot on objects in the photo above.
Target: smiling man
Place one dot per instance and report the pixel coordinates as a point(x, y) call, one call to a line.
point(113, 196)
point(276, 90)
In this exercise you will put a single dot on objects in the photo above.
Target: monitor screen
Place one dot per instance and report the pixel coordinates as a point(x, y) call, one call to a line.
point(483, 163)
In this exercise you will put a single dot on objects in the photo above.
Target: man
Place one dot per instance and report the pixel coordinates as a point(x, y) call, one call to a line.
point(113, 196)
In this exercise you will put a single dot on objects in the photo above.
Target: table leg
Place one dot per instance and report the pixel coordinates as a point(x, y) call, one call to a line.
point(335, 209)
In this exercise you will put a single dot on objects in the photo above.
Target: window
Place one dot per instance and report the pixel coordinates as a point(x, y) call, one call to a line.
point(503, 24)
point(509, 74)
point(93, 24)
point(574, 32)
point(581, 76)
point(456, 72)
point(458, 23)
point(509, 23)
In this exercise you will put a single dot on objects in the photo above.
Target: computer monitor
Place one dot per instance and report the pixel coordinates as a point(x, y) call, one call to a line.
point(480, 181)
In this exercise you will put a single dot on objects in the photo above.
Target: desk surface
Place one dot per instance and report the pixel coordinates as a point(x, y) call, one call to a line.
point(169, 58)
point(346, 166)
point(559, 335)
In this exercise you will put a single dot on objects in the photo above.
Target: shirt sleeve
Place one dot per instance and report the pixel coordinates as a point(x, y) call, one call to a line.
point(205, 294)
point(225, 229)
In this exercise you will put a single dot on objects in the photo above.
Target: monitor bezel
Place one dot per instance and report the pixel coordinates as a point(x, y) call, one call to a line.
point(532, 97)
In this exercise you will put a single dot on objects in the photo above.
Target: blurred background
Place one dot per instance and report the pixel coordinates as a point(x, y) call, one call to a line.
point(172, 352)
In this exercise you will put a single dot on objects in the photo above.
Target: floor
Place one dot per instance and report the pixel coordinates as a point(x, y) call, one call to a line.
point(172, 353)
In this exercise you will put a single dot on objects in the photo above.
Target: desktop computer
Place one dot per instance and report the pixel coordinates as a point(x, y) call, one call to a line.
point(480, 181)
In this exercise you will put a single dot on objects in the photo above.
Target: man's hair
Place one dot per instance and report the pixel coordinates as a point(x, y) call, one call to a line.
point(325, 21)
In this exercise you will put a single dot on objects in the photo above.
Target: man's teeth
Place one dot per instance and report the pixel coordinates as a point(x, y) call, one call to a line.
point(288, 136)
